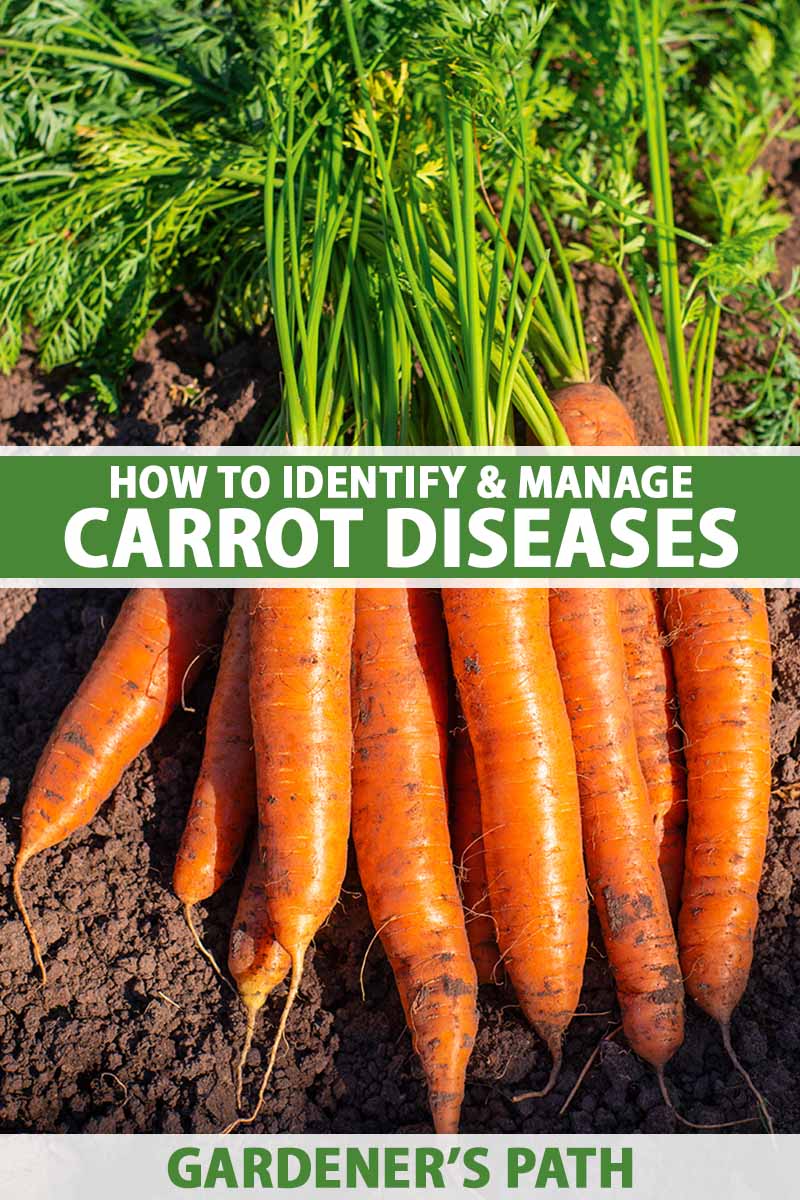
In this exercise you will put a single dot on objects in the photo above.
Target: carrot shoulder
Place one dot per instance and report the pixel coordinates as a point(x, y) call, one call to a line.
point(593, 415)
point(618, 833)
point(530, 810)
point(148, 661)
point(400, 831)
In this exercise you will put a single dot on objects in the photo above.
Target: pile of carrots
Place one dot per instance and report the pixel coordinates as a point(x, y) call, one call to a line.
point(499, 755)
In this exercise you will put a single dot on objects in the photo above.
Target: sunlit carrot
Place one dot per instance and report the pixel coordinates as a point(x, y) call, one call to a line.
point(618, 832)
point(149, 660)
point(530, 810)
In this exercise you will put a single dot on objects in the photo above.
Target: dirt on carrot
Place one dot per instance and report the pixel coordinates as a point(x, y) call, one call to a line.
point(129, 996)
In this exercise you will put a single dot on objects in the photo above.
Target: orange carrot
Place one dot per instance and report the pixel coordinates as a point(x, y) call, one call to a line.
point(300, 646)
point(593, 415)
point(224, 801)
point(530, 810)
point(255, 960)
point(651, 686)
point(149, 659)
point(400, 704)
point(618, 833)
point(721, 651)
point(466, 836)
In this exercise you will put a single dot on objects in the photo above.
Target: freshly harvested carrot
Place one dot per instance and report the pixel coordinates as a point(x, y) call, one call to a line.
point(255, 960)
point(224, 800)
point(469, 855)
point(300, 647)
point(530, 810)
point(149, 660)
point(593, 415)
point(651, 686)
point(402, 841)
point(618, 833)
point(721, 651)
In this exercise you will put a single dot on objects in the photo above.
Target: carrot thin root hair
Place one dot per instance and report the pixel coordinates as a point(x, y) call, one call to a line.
point(252, 1015)
point(294, 988)
point(372, 942)
point(732, 1055)
point(198, 941)
point(557, 1056)
point(662, 1084)
point(26, 920)
point(587, 1066)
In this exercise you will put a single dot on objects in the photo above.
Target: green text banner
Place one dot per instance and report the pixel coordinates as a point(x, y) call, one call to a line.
point(98, 517)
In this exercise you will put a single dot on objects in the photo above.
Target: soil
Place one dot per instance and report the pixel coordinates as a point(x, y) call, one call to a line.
point(135, 1033)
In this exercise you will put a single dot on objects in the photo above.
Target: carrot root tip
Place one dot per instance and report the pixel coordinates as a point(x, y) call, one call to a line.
point(555, 1071)
point(662, 1083)
point(26, 920)
point(294, 988)
point(252, 1013)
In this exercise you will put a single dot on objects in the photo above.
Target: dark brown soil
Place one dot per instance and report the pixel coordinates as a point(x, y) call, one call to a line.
point(135, 1033)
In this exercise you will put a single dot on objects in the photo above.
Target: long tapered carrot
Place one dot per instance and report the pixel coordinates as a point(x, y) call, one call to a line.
point(469, 854)
point(594, 416)
point(224, 801)
point(530, 810)
point(149, 659)
point(721, 651)
point(400, 831)
point(618, 832)
point(300, 648)
point(256, 960)
point(651, 686)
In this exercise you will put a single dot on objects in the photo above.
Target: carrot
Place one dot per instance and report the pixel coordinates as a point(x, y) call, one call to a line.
point(400, 708)
point(300, 646)
point(618, 832)
point(148, 661)
point(651, 687)
point(722, 659)
point(255, 960)
point(530, 809)
point(466, 837)
point(224, 800)
point(593, 415)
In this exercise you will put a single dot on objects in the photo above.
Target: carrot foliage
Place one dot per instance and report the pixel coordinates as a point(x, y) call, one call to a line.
point(708, 89)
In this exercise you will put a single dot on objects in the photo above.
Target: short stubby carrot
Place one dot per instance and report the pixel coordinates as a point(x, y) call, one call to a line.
point(257, 962)
point(300, 652)
point(651, 686)
point(530, 809)
point(148, 661)
point(469, 854)
point(400, 831)
point(721, 651)
point(618, 832)
point(224, 800)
